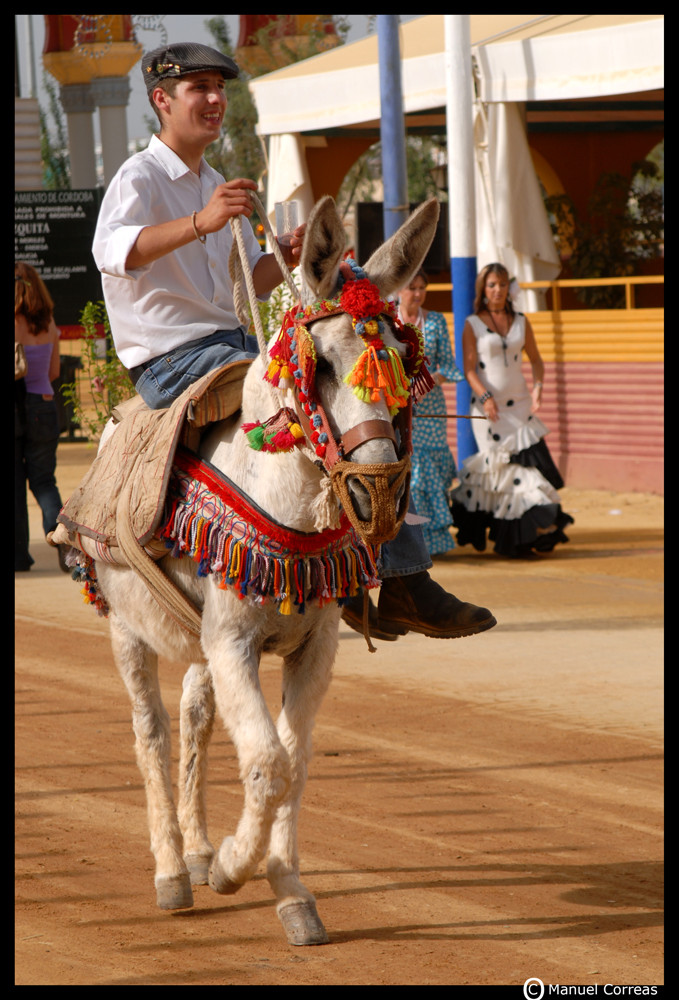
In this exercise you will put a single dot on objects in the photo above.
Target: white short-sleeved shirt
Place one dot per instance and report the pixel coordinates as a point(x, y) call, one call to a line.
point(182, 296)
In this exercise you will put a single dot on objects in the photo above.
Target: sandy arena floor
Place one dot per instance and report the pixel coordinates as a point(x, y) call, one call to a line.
point(479, 811)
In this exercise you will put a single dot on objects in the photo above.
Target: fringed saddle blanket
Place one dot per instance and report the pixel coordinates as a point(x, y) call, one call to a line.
point(227, 534)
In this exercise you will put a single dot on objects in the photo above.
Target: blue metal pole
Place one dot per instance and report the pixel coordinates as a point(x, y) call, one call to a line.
point(392, 127)
point(461, 202)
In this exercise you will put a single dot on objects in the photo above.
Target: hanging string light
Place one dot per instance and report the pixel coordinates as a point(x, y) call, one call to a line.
point(93, 37)
point(151, 22)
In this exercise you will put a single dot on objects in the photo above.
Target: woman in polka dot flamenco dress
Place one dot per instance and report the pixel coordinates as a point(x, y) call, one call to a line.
point(508, 489)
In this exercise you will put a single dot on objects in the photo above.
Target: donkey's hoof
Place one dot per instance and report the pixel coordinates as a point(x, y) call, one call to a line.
point(173, 892)
point(302, 924)
point(199, 868)
point(219, 881)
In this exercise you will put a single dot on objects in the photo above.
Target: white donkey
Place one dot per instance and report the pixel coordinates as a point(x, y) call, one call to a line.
point(288, 487)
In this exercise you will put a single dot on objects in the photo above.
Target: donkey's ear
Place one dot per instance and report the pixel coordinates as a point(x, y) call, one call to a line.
point(392, 265)
point(324, 244)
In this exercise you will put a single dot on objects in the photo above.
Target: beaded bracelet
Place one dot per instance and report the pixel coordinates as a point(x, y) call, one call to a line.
point(200, 238)
point(486, 396)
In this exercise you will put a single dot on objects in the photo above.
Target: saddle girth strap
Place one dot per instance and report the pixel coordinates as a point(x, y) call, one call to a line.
point(170, 599)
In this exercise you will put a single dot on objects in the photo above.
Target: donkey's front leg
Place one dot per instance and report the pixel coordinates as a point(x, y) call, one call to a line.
point(263, 762)
point(306, 678)
point(138, 666)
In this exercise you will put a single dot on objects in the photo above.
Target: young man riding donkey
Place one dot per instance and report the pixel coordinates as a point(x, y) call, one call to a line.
point(162, 244)
point(278, 544)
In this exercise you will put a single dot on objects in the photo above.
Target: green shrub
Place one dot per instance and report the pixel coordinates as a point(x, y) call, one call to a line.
point(103, 381)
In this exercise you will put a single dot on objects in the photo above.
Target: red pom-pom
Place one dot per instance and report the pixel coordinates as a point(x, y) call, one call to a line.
point(361, 299)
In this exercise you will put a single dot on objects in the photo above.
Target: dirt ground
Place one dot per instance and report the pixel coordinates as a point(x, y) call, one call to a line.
point(479, 811)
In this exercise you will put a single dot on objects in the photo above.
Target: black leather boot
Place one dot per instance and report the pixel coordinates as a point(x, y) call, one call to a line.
point(417, 603)
point(352, 614)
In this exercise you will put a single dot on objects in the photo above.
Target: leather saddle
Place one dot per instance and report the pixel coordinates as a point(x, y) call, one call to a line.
point(120, 502)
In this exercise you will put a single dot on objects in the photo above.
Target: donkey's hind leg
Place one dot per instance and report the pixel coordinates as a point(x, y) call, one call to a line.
point(306, 677)
point(138, 666)
point(197, 716)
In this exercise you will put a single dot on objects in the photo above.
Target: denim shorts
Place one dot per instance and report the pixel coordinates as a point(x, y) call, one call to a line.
point(165, 378)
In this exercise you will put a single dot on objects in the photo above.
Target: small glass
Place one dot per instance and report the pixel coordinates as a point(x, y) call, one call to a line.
point(286, 221)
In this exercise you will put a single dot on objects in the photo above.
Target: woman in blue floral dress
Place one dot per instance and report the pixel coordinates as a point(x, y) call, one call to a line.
point(433, 465)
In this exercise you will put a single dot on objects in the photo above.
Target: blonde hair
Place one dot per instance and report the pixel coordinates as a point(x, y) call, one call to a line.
point(31, 298)
point(480, 287)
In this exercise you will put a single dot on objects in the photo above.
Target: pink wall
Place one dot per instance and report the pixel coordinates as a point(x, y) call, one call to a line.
point(606, 422)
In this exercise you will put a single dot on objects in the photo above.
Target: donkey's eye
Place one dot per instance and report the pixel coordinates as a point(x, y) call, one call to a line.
point(324, 369)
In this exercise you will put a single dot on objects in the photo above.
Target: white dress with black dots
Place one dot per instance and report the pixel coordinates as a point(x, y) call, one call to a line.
point(509, 487)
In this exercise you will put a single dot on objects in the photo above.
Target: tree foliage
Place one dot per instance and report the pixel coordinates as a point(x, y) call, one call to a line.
point(240, 152)
point(363, 181)
point(623, 225)
point(104, 381)
point(54, 147)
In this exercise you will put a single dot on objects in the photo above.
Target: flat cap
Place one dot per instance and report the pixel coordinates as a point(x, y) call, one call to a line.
point(171, 61)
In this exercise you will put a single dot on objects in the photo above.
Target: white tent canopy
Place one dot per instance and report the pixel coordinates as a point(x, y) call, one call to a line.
point(528, 57)
point(584, 59)
point(511, 221)
point(518, 58)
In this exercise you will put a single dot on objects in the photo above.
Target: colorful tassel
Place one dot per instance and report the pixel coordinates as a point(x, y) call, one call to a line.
point(415, 363)
point(280, 366)
point(84, 572)
point(379, 373)
point(279, 433)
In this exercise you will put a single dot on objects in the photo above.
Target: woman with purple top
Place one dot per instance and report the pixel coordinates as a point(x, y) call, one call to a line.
point(36, 425)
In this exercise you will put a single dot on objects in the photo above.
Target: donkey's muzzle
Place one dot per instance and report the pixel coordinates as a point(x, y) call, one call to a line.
point(387, 485)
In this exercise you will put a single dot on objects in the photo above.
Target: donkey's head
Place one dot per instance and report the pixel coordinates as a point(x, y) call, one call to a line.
point(353, 368)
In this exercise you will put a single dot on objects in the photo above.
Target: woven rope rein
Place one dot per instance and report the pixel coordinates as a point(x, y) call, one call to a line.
point(242, 278)
point(325, 508)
